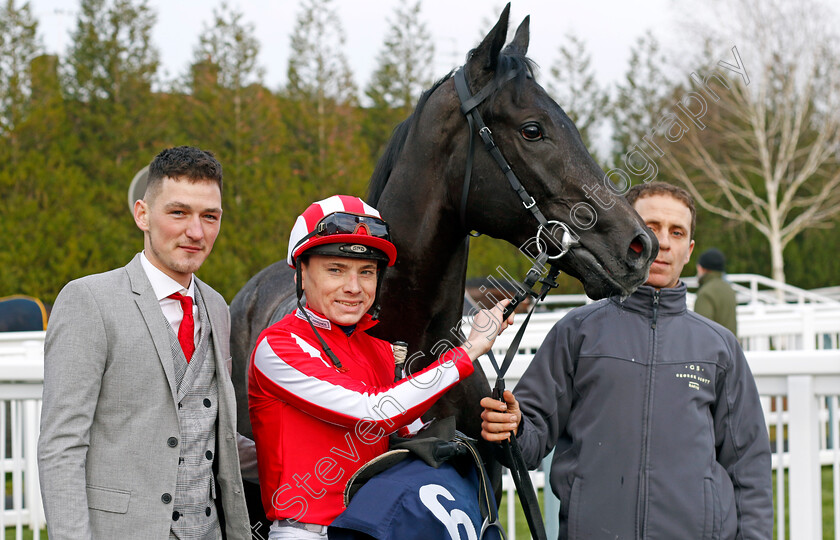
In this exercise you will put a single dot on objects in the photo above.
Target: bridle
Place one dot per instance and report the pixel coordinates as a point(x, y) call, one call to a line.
point(469, 108)
point(511, 449)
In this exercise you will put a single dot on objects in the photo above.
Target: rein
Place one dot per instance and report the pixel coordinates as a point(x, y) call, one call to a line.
point(511, 449)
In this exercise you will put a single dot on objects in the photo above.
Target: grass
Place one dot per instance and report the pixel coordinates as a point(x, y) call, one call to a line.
point(521, 524)
point(27, 534)
point(827, 504)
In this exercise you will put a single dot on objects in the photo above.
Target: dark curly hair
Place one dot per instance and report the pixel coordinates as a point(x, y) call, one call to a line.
point(183, 162)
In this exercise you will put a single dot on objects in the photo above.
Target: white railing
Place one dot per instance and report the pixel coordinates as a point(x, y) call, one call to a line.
point(799, 391)
point(21, 386)
point(754, 288)
point(761, 327)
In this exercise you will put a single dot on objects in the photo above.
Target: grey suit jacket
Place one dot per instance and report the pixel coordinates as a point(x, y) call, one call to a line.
point(110, 406)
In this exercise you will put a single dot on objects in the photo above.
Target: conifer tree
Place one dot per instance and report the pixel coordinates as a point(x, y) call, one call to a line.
point(328, 153)
point(226, 57)
point(108, 74)
point(111, 51)
point(573, 85)
point(641, 96)
point(18, 47)
point(230, 45)
point(403, 72)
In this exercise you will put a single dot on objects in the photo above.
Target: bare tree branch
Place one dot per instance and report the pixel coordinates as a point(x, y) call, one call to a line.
point(770, 156)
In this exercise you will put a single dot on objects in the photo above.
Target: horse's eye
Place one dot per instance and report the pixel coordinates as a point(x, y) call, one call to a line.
point(531, 132)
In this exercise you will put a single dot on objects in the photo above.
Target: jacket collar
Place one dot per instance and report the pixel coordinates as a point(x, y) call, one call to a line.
point(162, 284)
point(671, 300)
point(710, 275)
point(319, 321)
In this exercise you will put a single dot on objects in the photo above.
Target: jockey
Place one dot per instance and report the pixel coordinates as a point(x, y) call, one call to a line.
point(321, 391)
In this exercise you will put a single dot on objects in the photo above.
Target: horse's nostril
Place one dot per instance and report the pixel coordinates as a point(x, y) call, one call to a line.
point(639, 250)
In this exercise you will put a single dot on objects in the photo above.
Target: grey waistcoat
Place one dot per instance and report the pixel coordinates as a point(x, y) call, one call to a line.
point(194, 512)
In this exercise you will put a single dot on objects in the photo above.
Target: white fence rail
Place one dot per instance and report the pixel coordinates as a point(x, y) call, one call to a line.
point(21, 386)
point(800, 391)
point(753, 288)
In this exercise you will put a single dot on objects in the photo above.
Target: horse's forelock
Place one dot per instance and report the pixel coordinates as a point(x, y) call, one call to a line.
point(510, 59)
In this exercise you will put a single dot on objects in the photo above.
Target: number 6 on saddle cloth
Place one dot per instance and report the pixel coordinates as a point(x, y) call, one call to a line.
point(430, 486)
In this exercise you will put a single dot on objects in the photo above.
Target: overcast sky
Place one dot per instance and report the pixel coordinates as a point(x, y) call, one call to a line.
point(609, 28)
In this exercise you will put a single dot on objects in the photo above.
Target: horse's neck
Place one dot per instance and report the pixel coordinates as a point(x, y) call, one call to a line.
point(422, 296)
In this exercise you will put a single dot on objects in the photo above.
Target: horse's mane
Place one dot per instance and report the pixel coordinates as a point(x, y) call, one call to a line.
point(510, 59)
point(395, 146)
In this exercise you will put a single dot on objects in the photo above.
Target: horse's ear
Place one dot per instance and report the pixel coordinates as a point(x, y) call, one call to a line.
point(486, 55)
point(522, 37)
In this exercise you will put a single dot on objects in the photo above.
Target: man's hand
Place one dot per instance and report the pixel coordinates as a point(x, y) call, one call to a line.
point(485, 327)
point(499, 418)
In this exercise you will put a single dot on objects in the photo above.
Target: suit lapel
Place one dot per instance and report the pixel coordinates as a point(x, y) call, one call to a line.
point(216, 319)
point(149, 307)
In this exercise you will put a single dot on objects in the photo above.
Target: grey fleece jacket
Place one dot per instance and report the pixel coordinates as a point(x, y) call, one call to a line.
point(656, 420)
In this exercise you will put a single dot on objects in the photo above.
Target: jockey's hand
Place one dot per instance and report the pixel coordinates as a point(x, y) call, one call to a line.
point(485, 326)
point(500, 418)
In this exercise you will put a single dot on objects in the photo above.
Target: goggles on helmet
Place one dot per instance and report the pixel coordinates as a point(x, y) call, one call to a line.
point(343, 233)
point(346, 223)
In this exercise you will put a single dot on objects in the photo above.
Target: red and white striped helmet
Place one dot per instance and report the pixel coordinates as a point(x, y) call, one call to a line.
point(345, 220)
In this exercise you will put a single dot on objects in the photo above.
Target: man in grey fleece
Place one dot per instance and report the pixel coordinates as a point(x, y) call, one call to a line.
point(652, 410)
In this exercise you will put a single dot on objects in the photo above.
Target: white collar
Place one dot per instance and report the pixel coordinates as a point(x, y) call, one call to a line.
point(316, 319)
point(162, 284)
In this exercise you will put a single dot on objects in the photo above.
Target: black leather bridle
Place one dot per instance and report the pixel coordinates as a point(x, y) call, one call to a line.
point(469, 108)
point(511, 449)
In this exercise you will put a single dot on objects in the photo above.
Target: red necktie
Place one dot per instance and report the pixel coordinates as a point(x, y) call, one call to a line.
point(187, 328)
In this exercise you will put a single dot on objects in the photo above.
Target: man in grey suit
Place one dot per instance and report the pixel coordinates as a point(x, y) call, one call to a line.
point(138, 428)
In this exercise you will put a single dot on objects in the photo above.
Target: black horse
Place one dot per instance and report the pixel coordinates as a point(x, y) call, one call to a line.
point(418, 186)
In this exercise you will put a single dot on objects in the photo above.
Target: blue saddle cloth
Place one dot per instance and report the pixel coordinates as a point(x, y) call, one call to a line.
point(414, 501)
point(22, 314)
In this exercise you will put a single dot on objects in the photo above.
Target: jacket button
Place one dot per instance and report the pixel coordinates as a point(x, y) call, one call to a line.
point(207, 511)
point(166, 498)
point(208, 454)
point(175, 515)
point(207, 403)
point(172, 442)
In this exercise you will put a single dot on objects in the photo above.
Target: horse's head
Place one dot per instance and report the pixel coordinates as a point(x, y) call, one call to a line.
point(614, 249)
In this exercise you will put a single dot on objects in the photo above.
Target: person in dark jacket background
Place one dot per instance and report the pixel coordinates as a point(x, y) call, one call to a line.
point(715, 297)
point(652, 410)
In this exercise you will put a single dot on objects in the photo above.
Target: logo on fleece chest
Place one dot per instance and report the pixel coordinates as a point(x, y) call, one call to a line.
point(695, 375)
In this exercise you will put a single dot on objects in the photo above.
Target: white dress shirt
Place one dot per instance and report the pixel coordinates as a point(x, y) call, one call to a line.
point(163, 286)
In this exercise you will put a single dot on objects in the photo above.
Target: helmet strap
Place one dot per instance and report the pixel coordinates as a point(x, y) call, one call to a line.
point(299, 288)
point(374, 314)
point(298, 281)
